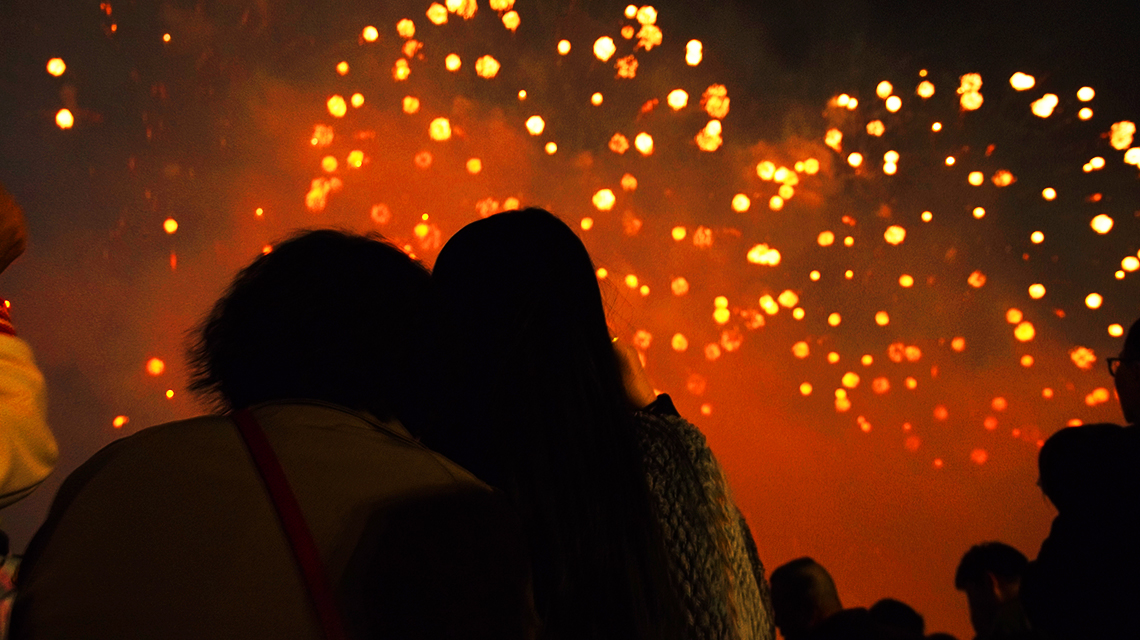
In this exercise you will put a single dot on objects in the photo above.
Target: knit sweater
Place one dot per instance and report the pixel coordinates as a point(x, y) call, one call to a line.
point(28, 450)
point(713, 557)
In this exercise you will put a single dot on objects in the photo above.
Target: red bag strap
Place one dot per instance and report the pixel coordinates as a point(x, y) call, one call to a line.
point(293, 522)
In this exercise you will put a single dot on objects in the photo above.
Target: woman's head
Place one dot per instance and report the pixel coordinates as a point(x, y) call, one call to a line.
point(534, 404)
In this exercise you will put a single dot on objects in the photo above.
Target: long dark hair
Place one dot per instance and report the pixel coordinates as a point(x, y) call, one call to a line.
point(534, 404)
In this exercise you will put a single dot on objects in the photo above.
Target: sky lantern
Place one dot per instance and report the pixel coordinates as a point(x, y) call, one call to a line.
point(56, 67)
point(64, 119)
point(604, 48)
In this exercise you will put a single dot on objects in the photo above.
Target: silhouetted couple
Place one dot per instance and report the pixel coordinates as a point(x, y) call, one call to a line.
point(559, 498)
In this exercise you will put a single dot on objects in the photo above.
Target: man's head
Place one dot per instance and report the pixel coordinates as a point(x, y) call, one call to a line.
point(803, 595)
point(326, 315)
point(990, 575)
point(1127, 376)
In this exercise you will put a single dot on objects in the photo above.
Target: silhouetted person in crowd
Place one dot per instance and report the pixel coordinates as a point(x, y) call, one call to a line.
point(895, 620)
point(1084, 582)
point(990, 575)
point(803, 596)
point(171, 533)
point(28, 451)
point(632, 530)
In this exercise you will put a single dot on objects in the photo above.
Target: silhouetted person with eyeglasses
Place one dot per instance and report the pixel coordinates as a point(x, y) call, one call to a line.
point(1084, 583)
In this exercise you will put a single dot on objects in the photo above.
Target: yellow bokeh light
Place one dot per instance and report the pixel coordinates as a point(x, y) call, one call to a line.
point(631, 281)
point(1084, 94)
point(716, 101)
point(850, 380)
point(563, 47)
point(119, 421)
point(155, 366)
point(680, 286)
point(355, 159)
point(891, 156)
point(440, 129)
point(487, 67)
point(342, 68)
point(1119, 274)
point(976, 279)
point(628, 182)
point(788, 298)
point(587, 224)
point(678, 99)
point(337, 106)
point(679, 342)
point(372, 34)
point(551, 148)
point(1121, 134)
point(329, 164)
point(805, 388)
point(927, 216)
point(906, 281)
point(56, 67)
point(646, 15)
point(401, 70)
point(170, 225)
point(596, 99)
point(1130, 263)
point(522, 95)
point(890, 168)
point(604, 48)
point(740, 203)
point(849, 241)
point(1049, 193)
point(1027, 360)
point(511, 20)
point(833, 357)
point(437, 14)
point(602, 273)
point(1115, 330)
point(925, 89)
point(894, 234)
point(720, 302)
point(722, 316)
point(644, 143)
point(693, 53)
point(884, 89)
point(1037, 237)
point(357, 100)
point(936, 127)
point(1094, 300)
point(535, 125)
point(834, 319)
point(815, 275)
point(411, 104)
point(825, 238)
point(1022, 81)
point(679, 233)
point(474, 166)
point(882, 318)
point(452, 62)
point(1102, 224)
point(766, 170)
point(762, 254)
point(1036, 291)
point(894, 103)
point(1024, 332)
point(64, 119)
point(855, 159)
point(1013, 316)
point(976, 178)
point(1043, 107)
point(979, 212)
point(1085, 113)
point(619, 144)
point(604, 199)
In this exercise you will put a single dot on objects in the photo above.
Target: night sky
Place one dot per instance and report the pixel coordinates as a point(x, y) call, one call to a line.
point(888, 494)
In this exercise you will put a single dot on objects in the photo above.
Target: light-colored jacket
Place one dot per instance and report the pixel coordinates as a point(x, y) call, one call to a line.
point(170, 533)
point(28, 451)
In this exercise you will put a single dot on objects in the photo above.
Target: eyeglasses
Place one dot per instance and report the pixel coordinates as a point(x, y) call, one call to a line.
point(1114, 364)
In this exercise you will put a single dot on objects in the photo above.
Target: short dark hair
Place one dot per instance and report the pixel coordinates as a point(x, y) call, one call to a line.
point(326, 315)
point(1131, 347)
point(1000, 559)
point(898, 619)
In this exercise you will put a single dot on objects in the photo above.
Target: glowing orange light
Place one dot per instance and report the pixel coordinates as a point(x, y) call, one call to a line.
point(811, 166)
point(876, 128)
point(486, 67)
point(440, 129)
point(563, 47)
point(56, 67)
point(1022, 81)
point(604, 199)
point(834, 138)
point(1121, 135)
point(370, 33)
point(401, 70)
point(587, 224)
point(805, 388)
point(693, 53)
point(596, 99)
point(1036, 291)
point(643, 142)
point(927, 216)
point(64, 119)
point(1102, 224)
point(679, 233)
point(329, 164)
point(979, 212)
point(1130, 263)
point(535, 125)
point(678, 99)
point(1094, 300)
point(437, 14)
point(1024, 332)
point(604, 48)
point(170, 225)
point(155, 367)
point(1115, 330)
point(894, 234)
point(166, 37)
point(1084, 94)
point(342, 68)
point(834, 319)
point(740, 203)
point(762, 254)
point(833, 357)
point(977, 279)
point(452, 62)
point(894, 103)
point(906, 281)
point(850, 380)
point(511, 20)
point(119, 421)
point(936, 127)
point(357, 100)
point(337, 106)
point(1043, 107)
point(680, 286)
point(925, 89)
point(884, 89)
point(716, 101)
